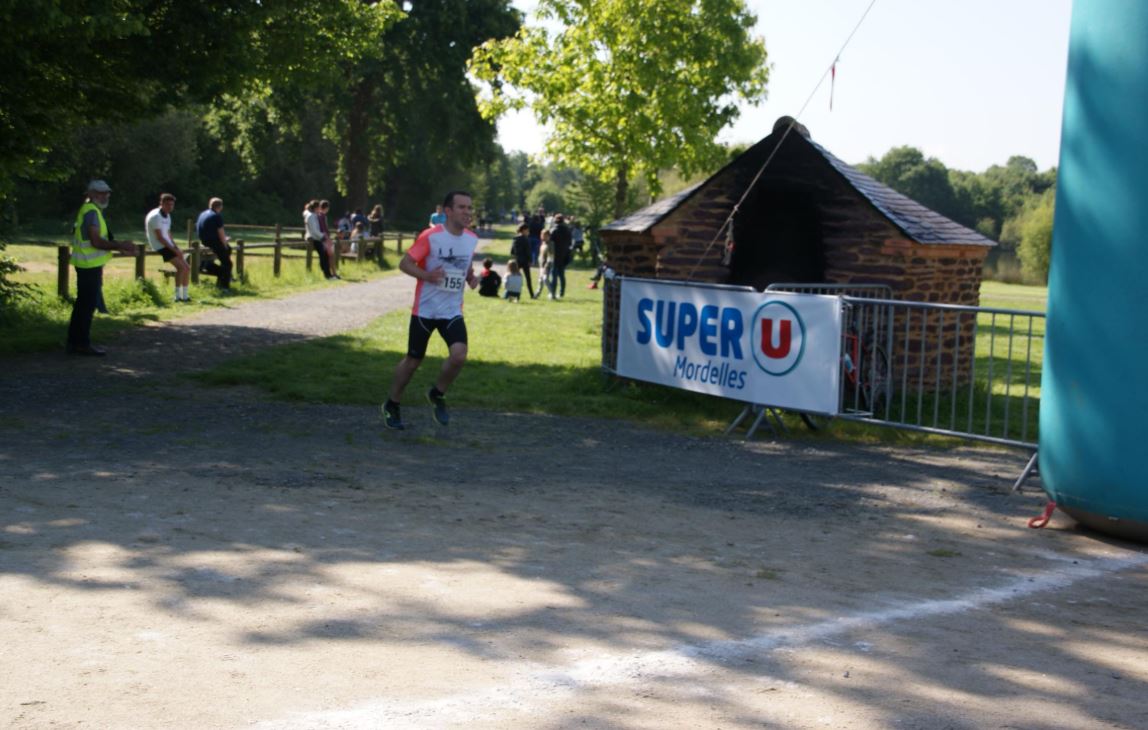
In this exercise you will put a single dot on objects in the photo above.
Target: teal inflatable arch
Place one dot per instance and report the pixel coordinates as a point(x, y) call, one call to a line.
point(1094, 384)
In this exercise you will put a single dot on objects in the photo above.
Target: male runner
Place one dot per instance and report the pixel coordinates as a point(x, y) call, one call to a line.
point(441, 261)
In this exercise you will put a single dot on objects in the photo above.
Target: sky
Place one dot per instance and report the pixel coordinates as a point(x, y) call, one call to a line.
point(970, 82)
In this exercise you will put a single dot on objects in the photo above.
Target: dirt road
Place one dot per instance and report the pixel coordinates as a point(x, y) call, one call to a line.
point(181, 558)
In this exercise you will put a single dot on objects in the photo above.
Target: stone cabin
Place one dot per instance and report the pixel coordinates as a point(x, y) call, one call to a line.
point(810, 218)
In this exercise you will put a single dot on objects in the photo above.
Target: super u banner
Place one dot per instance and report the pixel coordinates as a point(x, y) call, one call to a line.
point(768, 348)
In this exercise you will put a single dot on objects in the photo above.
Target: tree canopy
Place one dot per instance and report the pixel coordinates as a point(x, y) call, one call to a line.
point(1010, 203)
point(629, 87)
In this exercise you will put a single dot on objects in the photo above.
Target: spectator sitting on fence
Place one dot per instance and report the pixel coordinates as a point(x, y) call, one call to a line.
point(375, 219)
point(343, 225)
point(438, 217)
point(513, 282)
point(209, 228)
point(357, 217)
point(357, 236)
point(488, 279)
point(157, 223)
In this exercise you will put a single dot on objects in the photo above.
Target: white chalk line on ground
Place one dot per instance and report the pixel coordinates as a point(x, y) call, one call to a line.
point(536, 686)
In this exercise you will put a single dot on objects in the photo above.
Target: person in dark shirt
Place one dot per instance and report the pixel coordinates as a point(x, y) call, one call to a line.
point(489, 280)
point(376, 221)
point(521, 251)
point(209, 229)
point(357, 217)
point(560, 243)
point(536, 222)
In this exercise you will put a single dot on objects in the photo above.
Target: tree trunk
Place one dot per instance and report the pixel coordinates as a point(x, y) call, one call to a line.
point(357, 150)
point(621, 189)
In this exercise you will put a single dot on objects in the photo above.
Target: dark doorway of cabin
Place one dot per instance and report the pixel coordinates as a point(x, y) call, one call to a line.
point(777, 238)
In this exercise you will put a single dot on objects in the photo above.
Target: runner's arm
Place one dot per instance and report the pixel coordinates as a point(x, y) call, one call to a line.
point(410, 267)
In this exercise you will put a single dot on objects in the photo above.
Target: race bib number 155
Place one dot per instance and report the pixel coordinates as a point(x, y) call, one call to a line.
point(454, 280)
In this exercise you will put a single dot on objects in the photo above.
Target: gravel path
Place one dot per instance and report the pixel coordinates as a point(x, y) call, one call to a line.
point(176, 558)
point(209, 337)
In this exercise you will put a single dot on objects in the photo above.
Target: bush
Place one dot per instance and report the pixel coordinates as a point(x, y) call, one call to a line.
point(10, 291)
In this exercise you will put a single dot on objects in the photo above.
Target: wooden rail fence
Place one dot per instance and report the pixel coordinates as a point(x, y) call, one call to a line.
point(264, 241)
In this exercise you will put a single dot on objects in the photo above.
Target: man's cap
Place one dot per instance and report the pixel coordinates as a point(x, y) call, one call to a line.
point(99, 186)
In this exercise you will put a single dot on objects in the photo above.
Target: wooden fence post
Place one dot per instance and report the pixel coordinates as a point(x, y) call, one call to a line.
point(278, 256)
point(190, 232)
point(399, 243)
point(195, 259)
point(141, 254)
point(239, 259)
point(63, 258)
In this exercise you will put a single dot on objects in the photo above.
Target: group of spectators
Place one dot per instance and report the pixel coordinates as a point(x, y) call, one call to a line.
point(94, 244)
point(546, 243)
point(350, 233)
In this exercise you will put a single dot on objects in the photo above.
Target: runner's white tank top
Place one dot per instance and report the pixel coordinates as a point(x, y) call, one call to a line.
point(437, 247)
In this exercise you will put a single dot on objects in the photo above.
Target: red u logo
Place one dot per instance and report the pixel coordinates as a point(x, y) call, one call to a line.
point(786, 337)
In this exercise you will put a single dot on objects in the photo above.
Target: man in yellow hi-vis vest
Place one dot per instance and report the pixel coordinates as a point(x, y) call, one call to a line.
point(92, 247)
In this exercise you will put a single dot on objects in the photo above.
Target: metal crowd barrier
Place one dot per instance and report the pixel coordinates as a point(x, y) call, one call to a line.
point(972, 372)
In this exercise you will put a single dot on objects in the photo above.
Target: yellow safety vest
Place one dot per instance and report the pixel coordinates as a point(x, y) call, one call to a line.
point(84, 254)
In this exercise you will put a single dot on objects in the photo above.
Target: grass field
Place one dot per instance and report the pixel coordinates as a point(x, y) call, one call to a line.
point(536, 356)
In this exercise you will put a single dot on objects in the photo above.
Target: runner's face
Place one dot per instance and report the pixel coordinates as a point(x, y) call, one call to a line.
point(167, 206)
point(459, 213)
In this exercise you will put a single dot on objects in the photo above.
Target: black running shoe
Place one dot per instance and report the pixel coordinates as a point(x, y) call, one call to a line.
point(391, 417)
point(440, 414)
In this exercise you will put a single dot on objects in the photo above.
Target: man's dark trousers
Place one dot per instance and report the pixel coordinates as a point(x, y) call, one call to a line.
point(89, 298)
point(321, 250)
point(222, 269)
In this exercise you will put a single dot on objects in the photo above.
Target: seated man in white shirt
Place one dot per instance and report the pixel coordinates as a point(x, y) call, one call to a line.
point(158, 226)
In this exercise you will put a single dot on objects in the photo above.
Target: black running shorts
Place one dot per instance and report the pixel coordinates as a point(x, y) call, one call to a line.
point(452, 331)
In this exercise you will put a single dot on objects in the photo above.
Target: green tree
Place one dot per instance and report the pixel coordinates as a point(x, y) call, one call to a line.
point(547, 195)
point(526, 174)
point(1035, 249)
point(73, 63)
point(395, 102)
point(629, 87)
point(978, 203)
point(925, 180)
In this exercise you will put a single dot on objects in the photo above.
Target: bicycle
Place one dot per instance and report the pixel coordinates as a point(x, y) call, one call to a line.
point(864, 375)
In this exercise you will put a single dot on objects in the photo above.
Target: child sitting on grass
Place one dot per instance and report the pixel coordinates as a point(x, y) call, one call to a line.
point(488, 280)
point(513, 282)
